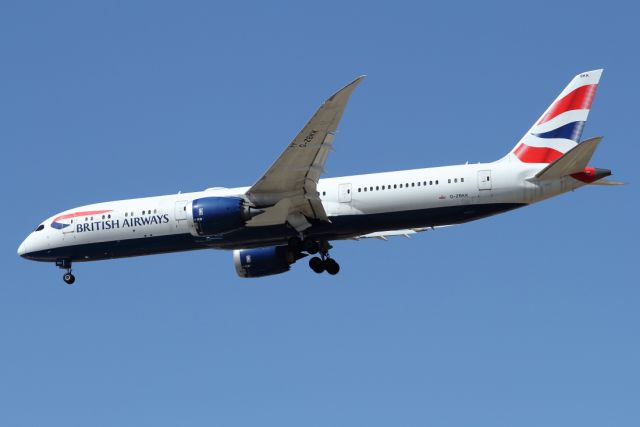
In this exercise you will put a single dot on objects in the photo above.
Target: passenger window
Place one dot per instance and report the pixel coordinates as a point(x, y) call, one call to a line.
point(461, 179)
point(395, 185)
point(324, 193)
point(40, 227)
point(455, 180)
point(359, 190)
point(436, 182)
point(370, 188)
point(400, 185)
point(430, 182)
point(126, 214)
point(413, 184)
point(377, 187)
point(365, 189)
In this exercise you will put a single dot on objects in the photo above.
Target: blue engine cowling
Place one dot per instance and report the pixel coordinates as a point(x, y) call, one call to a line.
point(219, 215)
point(259, 262)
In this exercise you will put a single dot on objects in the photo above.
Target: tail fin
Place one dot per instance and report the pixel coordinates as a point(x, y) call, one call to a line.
point(560, 127)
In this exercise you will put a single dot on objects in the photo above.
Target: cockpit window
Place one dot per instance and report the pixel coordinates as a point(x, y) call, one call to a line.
point(40, 227)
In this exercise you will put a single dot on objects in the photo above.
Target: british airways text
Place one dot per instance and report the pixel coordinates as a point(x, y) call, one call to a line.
point(127, 222)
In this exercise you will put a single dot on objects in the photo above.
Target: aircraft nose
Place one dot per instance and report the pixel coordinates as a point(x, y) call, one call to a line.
point(22, 249)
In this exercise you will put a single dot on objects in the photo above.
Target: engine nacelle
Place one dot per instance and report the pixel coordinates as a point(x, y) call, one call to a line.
point(219, 215)
point(259, 262)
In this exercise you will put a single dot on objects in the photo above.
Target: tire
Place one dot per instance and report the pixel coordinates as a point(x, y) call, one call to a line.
point(69, 278)
point(331, 266)
point(316, 264)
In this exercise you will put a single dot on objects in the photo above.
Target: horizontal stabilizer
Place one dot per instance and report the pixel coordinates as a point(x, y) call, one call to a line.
point(573, 161)
point(608, 182)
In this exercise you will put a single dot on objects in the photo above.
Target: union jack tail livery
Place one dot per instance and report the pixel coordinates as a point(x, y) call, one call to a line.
point(560, 127)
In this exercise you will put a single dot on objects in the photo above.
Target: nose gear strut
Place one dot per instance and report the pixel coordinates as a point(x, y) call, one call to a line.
point(65, 264)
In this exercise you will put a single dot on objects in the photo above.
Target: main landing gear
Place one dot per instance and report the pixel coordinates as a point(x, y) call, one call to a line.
point(321, 263)
point(65, 264)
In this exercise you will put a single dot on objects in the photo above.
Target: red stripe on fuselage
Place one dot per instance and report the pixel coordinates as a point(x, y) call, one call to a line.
point(578, 99)
point(536, 154)
point(76, 214)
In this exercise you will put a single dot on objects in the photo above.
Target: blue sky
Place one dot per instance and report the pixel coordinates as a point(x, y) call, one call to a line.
point(528, 318)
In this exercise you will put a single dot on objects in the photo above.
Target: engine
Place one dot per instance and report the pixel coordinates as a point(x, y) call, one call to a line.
point(265, 261)
point(219, 215)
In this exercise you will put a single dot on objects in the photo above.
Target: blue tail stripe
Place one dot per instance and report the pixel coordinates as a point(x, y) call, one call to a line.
point(571, 131)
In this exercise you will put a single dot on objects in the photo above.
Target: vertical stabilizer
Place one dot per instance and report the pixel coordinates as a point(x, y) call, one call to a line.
point(560, 127)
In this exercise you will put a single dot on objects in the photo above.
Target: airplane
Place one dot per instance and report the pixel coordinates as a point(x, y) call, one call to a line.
point(290, 213)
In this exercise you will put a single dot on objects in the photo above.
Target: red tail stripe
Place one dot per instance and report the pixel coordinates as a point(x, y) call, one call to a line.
point(578, 99)
point(536, 154)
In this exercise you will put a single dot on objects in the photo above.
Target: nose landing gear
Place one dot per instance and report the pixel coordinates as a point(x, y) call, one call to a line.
point(69, 278)
point(65, 264)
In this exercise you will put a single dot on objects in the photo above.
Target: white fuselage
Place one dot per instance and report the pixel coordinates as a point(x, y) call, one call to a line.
point(356, 205)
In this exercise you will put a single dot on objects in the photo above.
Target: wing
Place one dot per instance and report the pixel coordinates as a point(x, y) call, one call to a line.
point(287, 191)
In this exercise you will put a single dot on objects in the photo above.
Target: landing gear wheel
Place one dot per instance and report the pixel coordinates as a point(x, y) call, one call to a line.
point(331, 266)
point(69, 278)
point(316, 264)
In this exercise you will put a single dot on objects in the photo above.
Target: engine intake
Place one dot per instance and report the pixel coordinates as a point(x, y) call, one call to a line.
point(219, 215)
point(267, 261)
